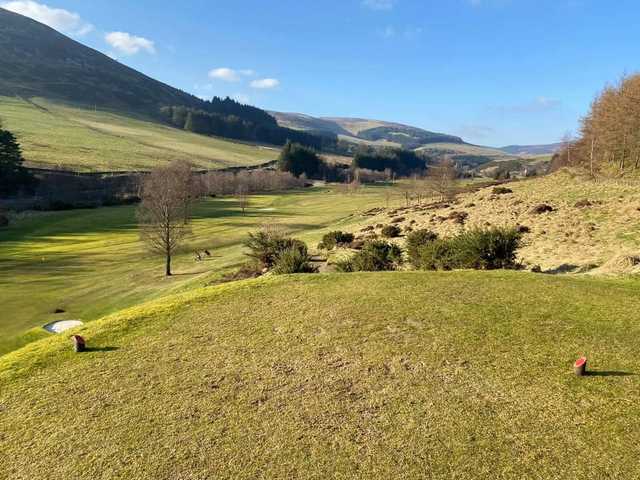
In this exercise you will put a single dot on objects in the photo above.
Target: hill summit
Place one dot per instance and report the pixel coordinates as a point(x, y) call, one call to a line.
point(38, 61)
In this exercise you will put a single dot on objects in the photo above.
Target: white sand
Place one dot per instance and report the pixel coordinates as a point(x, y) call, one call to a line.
point(62, 325)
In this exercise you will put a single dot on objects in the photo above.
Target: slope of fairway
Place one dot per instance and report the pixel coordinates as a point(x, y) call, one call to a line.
point(90, 262)
point(462, 375)
point(53, 135)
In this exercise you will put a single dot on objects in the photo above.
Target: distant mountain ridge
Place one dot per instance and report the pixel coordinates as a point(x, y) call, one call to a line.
point(532, 150)
point(359, 130)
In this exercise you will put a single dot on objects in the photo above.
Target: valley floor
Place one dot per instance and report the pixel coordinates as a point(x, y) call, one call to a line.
point(90, 263)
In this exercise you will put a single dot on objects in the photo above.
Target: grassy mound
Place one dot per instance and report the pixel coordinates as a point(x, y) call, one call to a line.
point(53, 135)
point(389, 375)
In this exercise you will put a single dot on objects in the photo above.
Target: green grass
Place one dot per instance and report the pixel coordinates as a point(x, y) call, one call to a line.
point(54, 135)
point(400, 375)
point(91, 262)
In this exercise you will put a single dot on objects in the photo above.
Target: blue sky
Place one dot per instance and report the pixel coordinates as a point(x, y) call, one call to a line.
point(496, 72)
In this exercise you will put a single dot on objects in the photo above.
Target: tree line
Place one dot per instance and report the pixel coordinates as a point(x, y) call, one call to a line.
point(609, 139)
point(399, 161)
point(229, 119)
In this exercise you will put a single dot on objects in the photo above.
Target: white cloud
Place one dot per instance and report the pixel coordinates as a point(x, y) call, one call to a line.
point(229, 74)
point(57, 18)
point(265, 83)
point(129, 44)
point(379, 4)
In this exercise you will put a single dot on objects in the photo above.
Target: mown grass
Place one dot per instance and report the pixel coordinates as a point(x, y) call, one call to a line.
point(54, 135)
point(391, 375)
point(91, 263)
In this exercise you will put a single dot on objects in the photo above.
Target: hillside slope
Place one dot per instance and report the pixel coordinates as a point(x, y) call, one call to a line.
point(338, 376)
point(592, 227)
point(38, 61)
point(53, 135)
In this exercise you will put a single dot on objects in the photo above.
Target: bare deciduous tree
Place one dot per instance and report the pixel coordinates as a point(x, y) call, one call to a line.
point(242, 195)
point(164, 213)
point(441, 179)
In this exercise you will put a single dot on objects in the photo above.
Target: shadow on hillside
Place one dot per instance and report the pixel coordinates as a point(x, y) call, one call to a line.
point(609, 373)
point(570, 268)
point(101, 349)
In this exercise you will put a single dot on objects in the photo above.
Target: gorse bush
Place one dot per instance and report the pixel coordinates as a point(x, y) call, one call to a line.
point(415, 240)
point(376, 256)
point(391, 231)
point(266, 246)
point(293, 260)
point(478, 249)
point(335, 239)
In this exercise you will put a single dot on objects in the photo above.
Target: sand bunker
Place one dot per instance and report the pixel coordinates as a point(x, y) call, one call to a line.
point(62, 325)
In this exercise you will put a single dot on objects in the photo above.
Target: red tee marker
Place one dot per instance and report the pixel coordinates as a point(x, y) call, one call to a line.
point(580, 367)
point(79, 344)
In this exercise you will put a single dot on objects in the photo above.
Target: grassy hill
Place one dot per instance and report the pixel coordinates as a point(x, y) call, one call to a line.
point(464, 374)
point(38, 63)
point(56, 135)
point(91, 262)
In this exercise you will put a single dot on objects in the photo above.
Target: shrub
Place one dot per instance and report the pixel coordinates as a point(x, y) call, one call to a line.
point(478, 249)
point(334, 239)
point(266, 245)
point(584, 203)
point(246, 271)
point(458, 217)
point(376, 256)
point(293, 260)
point(542, 208)
point(501, 190)
point(416, 240)
point(391, 231)
point(436, 255)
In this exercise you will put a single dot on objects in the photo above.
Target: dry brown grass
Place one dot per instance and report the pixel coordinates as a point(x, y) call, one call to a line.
point(569, 239)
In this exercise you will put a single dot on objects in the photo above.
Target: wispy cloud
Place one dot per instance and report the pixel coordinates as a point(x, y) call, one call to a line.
point(265, 83)
point(407, 33)
point(229, 74)
point(539, 104)
point(57, 18)
point(379, 5)
point(475, 131)
point(128, 44)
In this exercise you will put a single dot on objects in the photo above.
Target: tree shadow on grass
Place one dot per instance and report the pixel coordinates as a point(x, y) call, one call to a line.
point(609, 373)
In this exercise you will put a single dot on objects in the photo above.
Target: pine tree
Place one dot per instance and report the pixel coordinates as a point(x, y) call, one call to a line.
point(13, 176)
